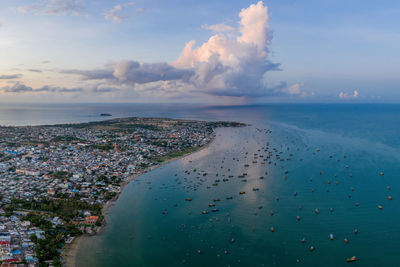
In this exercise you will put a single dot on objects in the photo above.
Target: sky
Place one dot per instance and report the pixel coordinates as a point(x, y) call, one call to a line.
point(217, 52)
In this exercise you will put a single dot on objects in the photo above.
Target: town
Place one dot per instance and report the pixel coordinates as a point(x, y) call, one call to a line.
point(55, 180)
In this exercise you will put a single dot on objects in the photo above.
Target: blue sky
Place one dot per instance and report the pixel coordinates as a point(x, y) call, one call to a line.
point(328, 51)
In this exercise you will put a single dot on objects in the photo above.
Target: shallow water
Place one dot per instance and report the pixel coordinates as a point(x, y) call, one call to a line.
point(313, 141)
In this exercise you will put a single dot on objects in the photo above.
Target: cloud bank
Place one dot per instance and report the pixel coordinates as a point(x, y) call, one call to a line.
point(133, 72)
point(233, 63)
point(22, 88)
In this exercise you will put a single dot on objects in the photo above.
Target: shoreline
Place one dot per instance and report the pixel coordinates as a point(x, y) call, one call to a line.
point(69, 251)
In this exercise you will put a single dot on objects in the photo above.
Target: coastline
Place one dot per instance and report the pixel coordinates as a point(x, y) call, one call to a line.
point(69, 252)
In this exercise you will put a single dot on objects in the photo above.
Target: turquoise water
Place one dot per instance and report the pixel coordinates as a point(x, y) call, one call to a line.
point(313, 141)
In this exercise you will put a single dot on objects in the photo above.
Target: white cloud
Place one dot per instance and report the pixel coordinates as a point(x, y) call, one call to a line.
point(295, 89)
point(254, 27)
point(232, 63)
point(121, 12)
point(343, 95)
point(219, 28)
point(233, 66)
point(226, 65)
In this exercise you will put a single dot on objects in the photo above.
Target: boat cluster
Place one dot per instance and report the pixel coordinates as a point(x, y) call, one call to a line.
point(242, 175)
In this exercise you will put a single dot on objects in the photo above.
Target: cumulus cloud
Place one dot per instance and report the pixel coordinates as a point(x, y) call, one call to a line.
point(295, 89)
point(232, 62)
point(234, 66)
point(56, 7)
point(121, 12)
point(9, 77)
point(22, 88)
point(343, 95)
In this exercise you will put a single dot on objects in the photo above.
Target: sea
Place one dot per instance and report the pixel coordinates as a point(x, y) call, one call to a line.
point(287, 190)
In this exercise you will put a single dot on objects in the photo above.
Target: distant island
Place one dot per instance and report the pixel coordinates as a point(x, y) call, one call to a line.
point(105, 115)
point(63, 177)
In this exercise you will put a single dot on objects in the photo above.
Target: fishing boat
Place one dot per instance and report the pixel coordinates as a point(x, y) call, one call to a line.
point(352, 259)
point(271, 213)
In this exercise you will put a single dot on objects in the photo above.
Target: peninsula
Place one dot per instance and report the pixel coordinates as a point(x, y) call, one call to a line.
point(56, 179)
